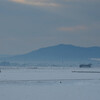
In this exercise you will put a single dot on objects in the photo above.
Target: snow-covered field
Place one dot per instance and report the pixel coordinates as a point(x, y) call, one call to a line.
point(50, 84)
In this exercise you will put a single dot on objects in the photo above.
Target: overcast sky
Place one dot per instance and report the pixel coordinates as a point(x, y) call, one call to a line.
point(26, 25)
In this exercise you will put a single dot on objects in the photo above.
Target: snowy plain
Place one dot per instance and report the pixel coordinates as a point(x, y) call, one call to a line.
point(50, 83)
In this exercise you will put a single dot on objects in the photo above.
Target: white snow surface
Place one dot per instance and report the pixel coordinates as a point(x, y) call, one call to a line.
point(50, 84)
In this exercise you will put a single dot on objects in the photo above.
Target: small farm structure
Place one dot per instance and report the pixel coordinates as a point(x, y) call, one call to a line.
point(85, 65)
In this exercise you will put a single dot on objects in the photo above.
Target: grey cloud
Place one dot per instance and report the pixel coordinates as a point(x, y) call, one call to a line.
point(25, 27)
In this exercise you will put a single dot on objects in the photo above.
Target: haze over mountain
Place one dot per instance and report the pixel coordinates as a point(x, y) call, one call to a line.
point(58, 53)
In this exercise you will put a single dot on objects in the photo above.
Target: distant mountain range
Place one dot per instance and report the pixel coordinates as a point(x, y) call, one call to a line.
point(58, 53)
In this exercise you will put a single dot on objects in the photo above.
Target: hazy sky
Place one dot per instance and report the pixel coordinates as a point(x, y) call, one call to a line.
point(26, 25)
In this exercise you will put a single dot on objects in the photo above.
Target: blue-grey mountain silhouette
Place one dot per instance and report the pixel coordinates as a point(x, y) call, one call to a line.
point(58, 52)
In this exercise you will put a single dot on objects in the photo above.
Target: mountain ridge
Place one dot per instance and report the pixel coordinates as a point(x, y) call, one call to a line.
point(58, 52)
